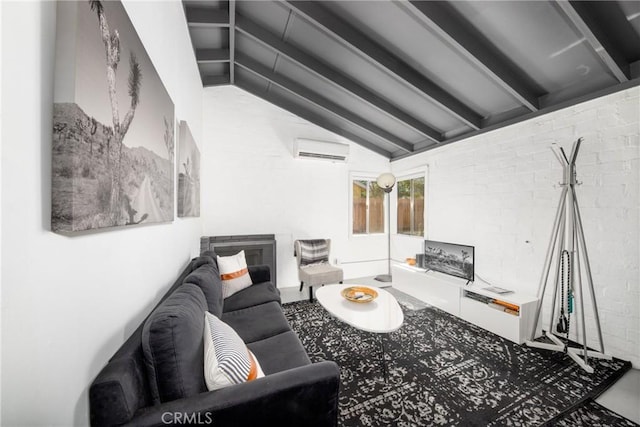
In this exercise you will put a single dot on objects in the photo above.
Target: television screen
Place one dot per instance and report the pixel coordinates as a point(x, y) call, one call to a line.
point(449, 258)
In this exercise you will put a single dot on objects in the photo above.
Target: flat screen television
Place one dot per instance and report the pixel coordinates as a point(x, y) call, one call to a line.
point(449, 258)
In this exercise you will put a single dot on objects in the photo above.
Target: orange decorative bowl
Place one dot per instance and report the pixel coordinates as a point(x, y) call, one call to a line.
point(411, 261)
point(359, 294)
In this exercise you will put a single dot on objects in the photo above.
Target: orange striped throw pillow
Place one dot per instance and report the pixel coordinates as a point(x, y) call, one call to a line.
point(234, 273)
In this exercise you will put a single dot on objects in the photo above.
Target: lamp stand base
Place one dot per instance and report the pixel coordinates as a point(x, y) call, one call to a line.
point(383, 278)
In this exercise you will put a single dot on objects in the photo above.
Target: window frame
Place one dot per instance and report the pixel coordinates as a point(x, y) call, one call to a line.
point(413, 174)
point(366, 176)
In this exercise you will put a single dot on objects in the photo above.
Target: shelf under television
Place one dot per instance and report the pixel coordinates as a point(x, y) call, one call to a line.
point(452, 295)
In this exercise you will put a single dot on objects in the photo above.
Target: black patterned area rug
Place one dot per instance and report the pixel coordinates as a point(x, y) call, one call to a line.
point(444, 371)
point(591, 414)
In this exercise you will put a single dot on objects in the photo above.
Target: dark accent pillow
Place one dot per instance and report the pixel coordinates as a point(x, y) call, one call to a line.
point(207, 278)
point(173, 347)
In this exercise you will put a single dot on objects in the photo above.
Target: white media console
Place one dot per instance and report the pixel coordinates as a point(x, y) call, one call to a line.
point(470, 302)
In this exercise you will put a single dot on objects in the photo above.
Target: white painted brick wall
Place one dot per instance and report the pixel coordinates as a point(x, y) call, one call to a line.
point(499, 190)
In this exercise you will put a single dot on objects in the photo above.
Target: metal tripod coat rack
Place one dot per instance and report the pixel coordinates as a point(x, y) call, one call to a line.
point(567, 238)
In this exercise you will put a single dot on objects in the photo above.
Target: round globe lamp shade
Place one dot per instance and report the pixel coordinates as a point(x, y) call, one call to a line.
point(386, 181)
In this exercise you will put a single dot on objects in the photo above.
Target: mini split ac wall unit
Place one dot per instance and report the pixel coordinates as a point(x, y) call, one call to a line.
point(320, 150)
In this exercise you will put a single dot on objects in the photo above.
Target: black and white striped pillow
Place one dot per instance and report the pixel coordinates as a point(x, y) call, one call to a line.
point(313, 251)
point(227, 360)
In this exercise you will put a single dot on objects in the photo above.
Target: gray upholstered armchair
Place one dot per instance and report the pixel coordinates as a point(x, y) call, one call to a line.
point(313, 264)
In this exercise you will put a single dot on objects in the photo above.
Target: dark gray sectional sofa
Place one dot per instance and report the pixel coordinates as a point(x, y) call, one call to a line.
point(156, 378)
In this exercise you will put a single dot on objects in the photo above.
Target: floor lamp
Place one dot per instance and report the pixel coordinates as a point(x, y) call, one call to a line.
point(386, 181)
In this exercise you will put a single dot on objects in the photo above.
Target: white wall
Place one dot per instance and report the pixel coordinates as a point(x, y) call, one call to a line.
point(252, 184)
point(498, 191)
point(69, 302)
point(1, 110)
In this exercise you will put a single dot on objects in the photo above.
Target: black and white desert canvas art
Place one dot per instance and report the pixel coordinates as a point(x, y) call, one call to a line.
point(449, 258)
point(188, 173)
point(113, 124)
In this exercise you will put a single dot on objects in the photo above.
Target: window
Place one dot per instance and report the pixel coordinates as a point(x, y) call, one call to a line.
point(411, 206)
point(368, 207)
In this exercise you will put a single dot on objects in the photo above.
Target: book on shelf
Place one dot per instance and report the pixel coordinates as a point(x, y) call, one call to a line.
point(477, 297)
point(507, 305)
point(503, 309)
point(496, 306)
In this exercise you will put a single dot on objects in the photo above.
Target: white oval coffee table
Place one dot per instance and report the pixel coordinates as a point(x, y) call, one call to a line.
point(380, 316)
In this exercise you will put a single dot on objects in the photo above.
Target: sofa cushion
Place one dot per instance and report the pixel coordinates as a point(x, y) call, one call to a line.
point(320, 274)
point(257, 322)
point(173, 347)
point(256, 294)
point(227, 360)
point(280, 352)
point(259, 273)
point(207, 278)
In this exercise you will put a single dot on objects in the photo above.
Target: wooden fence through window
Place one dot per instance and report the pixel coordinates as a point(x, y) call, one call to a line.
point(404, 216)
point(376, 217)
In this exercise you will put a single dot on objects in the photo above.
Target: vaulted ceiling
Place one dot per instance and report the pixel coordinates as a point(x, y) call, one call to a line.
point(402, 77)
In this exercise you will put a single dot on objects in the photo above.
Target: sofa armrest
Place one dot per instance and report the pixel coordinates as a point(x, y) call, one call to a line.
point(117, 393)
point(303, 396)
point(259, 273)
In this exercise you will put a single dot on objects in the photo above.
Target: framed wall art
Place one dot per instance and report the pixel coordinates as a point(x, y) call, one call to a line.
point(188, 173)
point(113, 124)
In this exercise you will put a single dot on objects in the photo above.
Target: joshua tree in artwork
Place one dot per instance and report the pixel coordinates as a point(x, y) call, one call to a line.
point(132, 212)
point(168, 138)
point(92, 131)
point(188, 200)
point(111, 40)
point(465, 256)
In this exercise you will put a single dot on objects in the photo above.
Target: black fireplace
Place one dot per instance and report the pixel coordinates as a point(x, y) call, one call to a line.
point(259, 249)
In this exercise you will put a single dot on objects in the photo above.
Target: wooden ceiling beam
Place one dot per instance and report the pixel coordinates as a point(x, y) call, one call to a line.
point(210, 56)
point(309, 116)
point(232, 39)
point(207, 17)
point(446, 23)
point(210, 81)
point(332, 76)
point(356, 40)
point(297, 89)
point(618, 87)
point(596, 37)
